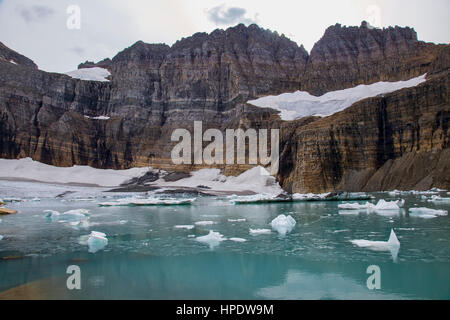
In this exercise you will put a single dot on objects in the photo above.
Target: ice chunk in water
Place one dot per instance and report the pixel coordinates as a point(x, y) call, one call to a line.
point(71, 215)
point(187, 227)
point(259, 231)
point(97, 241)
point(204, 223)
point(237, 239)
point(283, 224)
point(213, 239)
point(392, 245)
point(427, 213)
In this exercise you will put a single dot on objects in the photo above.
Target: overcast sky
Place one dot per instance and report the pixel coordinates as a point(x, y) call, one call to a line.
point(39, 28)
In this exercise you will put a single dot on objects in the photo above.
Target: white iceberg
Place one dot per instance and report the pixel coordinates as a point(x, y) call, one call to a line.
point(392, 245)
point(187, 227)
point(97, 241)
point(237, 220)
point(257, 198)
point(204, 223)
point(353, 206)
point(213, 239)
point(256, 179)
point(68, 216)
point(259, 231)
point(154, 201)
point(436, 198)
point(427, 213)
point(309, 196)
point(237, 239)
point(283, 224)
point(302, 104)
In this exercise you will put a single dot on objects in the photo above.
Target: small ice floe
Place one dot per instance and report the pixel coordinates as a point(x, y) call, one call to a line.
point(257, 198)
point(237, 220)
point(69, 216)
point(204, 223)
point(392, 245)
point(309, 196)
point(237, 239)
point(426, 213)
point(132, 202)
point(380, 206)
point(259, 231)
point(186, 227)
point(438, 199)
point(213, 239)
point(97, 241)
point(283, 224)
point(349, 212)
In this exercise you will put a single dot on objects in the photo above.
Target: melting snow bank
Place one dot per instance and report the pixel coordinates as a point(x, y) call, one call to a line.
point(98, 118)
point(27, 168)
point(254, 180)
point(283, 224)
point(134, 202)
point(92, 74)
point(426, 213)
point(392, 245)
point(302, 104)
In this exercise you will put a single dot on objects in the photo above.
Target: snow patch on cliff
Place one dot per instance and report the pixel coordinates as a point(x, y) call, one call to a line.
point(301, 104)
point(91, 74)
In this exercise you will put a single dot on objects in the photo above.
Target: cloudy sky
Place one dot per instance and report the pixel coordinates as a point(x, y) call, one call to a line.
point(59, 34)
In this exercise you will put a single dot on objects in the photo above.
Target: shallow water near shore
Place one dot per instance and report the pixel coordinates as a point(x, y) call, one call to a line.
point(153, 252)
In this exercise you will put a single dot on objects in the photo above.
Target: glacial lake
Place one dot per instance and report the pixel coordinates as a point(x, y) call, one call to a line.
point(154, 252)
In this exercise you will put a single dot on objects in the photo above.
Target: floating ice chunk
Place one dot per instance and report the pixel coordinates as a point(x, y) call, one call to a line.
point(204, 223)
point(133, 201)
point(283, 224)
point(237, 220)
point(353, 206)
point(436, 198)
point(349, 212)
point(258, 198)
point(213, 239)
point(427, 213)
point(385, 205)
point(97, 241)
point(187, 227)
point(71, 215)
point(237, 239)
point(259, 231)
point(392, 245)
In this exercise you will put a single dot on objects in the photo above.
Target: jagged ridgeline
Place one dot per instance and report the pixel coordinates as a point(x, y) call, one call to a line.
point(394, 141)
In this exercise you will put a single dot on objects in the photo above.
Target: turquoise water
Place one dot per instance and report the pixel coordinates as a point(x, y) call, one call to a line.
point(148, 258)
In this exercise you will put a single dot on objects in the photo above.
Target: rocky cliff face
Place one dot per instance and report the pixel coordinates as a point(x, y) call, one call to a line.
point(209, 77)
